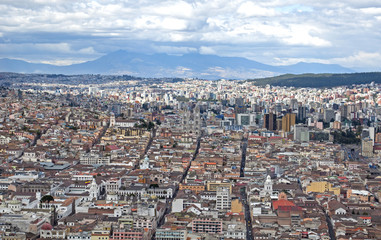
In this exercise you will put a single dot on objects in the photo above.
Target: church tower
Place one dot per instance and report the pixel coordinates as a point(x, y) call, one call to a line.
point(145, 163)
point(94, 190)
point(268, 185)
point(112, 120)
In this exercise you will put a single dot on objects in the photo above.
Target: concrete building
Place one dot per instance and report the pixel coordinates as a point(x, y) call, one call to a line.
point(223, 201)
point(288, 121)
point(367, 147)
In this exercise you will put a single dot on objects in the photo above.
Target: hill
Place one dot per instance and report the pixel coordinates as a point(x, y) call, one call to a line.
point(319, 80)
point(191, 65)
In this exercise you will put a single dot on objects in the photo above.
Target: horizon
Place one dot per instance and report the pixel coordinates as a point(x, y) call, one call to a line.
point(275, 33)
point(151, 54)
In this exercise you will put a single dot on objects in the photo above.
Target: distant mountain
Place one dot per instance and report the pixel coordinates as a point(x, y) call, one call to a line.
point(303, 67)
point(319, 80)
point(192, 65)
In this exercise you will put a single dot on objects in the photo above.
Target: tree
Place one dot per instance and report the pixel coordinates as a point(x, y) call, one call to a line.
point(47, 198)
point(150, 125)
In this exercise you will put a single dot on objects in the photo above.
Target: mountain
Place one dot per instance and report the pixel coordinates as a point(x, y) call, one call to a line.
point(319, 80)
point(303, 67)
point(192, 65)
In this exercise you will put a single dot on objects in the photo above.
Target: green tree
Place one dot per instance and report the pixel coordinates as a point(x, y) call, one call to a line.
point(47, 198)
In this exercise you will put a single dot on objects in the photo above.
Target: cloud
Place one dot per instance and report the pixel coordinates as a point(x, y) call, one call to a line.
point(173, 49)
point(368, 59)
point(207, 50)
point(288, 29)
point(304, 35)
point(250, 9)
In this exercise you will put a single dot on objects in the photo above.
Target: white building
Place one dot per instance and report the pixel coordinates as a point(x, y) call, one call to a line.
point(223, 201)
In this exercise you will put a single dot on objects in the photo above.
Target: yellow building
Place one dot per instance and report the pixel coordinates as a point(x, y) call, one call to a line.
point(100, 235)
point(322, 187)
point(288, 121)
point(212, 186)
point(197, 188)
point(236, 206)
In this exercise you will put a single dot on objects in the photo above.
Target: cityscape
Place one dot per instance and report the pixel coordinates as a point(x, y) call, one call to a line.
point(188, 159)
point(190, 120)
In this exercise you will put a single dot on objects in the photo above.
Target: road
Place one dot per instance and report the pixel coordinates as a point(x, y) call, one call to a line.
point(243, 160)
point(249, 226)
point(169, 201)
point(330, 227)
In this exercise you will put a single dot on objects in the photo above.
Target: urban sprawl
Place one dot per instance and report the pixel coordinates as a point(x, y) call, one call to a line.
point(189, 159)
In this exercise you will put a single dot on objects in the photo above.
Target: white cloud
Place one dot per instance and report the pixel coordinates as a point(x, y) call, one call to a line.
point(250, 9)
point(207, 50)
point(63, 62)
point(289, 29)
point(360, 59)
point(371, 10)
point(303, 35)
point(173, 50)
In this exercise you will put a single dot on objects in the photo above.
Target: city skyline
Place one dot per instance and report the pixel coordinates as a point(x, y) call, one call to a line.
point(273, 32)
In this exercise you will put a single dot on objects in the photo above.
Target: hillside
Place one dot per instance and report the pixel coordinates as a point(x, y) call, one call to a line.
point(191, 65)
point(319, 80)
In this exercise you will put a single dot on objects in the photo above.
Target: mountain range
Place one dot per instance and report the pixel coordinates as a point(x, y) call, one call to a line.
point(191, 65)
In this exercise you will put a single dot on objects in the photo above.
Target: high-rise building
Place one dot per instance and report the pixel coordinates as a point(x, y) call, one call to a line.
point(302, 113)
point(301, 133)
point(223, 201)
point(269, 121)
point(329, 114)
point(288, 121)
point(278, 124)
point(293, 104)
point(367, 147)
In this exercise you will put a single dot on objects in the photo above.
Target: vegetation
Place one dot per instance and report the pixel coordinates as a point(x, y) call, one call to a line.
point(348, 137)
point(319, 80)
point(143, 124)
point(47, 198)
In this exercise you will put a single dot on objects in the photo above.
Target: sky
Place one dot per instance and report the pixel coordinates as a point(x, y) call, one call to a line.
point(277, 32)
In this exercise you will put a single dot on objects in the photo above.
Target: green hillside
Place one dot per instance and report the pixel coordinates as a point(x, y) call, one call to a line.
point(319, 80)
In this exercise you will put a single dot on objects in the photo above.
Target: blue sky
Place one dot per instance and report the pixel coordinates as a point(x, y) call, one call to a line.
point(275, 32)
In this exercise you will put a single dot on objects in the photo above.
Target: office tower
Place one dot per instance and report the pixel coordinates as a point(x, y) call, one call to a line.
point(288, 121)
point(269, 121)
point(302, 113)
point(329, 114)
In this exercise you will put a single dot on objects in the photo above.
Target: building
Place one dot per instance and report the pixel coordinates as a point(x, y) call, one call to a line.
point(235, 231)
point(100, 235)
point(206, 225)
point(269, 121)
point(322, 187)
point(171, 234)
point(236, 206)
point(367, 147)
point(329, 115)
point(48, 232)
point(197, 188)
point(223, 201)
point(337, 125)
point(302, 113)
point(127, 234)
point(288, 121)
point(94, 159)
point(301, 133)
point(213, 186)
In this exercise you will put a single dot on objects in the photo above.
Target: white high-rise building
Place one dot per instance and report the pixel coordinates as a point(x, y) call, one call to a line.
point(223, 201)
